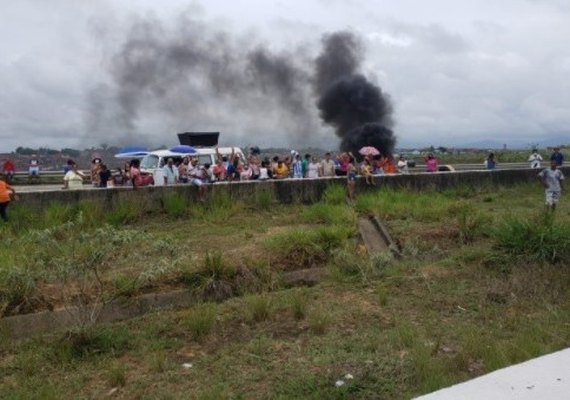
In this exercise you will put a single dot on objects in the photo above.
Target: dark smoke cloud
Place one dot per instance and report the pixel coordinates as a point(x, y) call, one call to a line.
point(358, 110)
point(190, 76)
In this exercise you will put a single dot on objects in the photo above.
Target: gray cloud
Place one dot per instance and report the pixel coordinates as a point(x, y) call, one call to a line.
point(457, 72)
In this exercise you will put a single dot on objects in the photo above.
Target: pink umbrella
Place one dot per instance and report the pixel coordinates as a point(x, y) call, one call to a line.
point(369, 151)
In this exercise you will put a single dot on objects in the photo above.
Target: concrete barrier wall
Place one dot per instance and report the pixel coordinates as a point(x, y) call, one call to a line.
point(282, 191)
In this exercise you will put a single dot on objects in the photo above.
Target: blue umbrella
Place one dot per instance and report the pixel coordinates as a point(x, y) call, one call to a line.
point(132, 149)
point(183, 149)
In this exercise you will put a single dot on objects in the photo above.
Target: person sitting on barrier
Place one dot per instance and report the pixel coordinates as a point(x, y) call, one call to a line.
point(281, 171)
point(9, 170)
point(7, 193)
point(73, 179)
point(198, 177)
point(246, 173)
point(366, 169)
point(264, 171)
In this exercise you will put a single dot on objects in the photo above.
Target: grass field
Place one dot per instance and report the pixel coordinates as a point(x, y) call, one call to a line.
point(483, 283)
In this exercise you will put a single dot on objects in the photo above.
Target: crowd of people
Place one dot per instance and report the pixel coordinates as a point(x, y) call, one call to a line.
point(186, 170)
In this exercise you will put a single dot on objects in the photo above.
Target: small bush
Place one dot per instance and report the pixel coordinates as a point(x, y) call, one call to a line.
point(471, 224)
point(264, 200)
point(17, 286)
point(57, 214)
point(319, 320)
point(320, 213)
point(117, 375)
point(125, 286)
point(538, 239)
point(335, 195)
point(174, 205)
point(124, 213)
point(259, 308)
point(201, 320)
point(297, 302)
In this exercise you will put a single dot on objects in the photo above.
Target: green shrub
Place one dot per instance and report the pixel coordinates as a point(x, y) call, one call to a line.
point(297, 302)
point(259, 307)
point(321, 213)
point(319, 320)
point(201, 320)
point(264, 200)
point(335, 195)
point(538, 239)
point(174, 205)
point(117, 375)
point(16, 286)
point(124, 213)
point(125, 286)
point(57, 214)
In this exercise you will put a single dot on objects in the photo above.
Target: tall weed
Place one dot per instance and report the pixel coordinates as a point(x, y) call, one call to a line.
point(538, 239)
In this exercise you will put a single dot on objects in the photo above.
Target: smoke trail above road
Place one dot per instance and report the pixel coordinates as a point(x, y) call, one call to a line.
point(358, 109)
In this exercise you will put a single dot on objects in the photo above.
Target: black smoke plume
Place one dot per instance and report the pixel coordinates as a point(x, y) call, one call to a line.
point(358, 110)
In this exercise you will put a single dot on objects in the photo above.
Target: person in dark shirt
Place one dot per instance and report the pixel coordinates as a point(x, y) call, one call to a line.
point(557, 156)
point(104, 176)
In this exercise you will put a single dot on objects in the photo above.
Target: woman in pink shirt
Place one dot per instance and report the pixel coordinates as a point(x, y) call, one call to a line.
point(431, 163)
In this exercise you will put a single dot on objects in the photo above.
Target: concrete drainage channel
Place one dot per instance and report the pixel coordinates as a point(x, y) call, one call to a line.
point(375, 236)
point(26, 325)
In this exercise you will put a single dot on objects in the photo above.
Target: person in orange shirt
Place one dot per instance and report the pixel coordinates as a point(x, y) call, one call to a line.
point(5, 197)
point(389, 166)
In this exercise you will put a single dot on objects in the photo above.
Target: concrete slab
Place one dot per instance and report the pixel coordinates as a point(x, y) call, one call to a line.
point(543, 378)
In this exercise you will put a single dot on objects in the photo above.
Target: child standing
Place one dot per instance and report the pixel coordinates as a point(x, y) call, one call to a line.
point(551, 178)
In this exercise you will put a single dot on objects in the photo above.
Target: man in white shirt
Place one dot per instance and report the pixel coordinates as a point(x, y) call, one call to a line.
point(170, 173)
point(327, 166)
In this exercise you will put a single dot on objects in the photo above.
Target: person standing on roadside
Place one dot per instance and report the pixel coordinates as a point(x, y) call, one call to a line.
point(490, 162)
point(7, 193)
point(557, 156)
point(9, 170)
point(551, 178)
point(34, 169)
point(170, 173)
point(534, 159)
point(327, 168)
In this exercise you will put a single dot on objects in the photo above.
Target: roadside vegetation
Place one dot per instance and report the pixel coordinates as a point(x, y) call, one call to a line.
point(482, 282)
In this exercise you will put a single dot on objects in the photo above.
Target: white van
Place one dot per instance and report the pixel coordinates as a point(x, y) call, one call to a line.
point(154, 161)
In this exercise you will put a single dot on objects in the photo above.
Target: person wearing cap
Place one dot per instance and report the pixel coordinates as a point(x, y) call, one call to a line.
point(170, 173)
point(7, 193)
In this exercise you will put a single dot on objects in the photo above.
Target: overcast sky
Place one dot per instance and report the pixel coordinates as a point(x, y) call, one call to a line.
point(458, 72)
